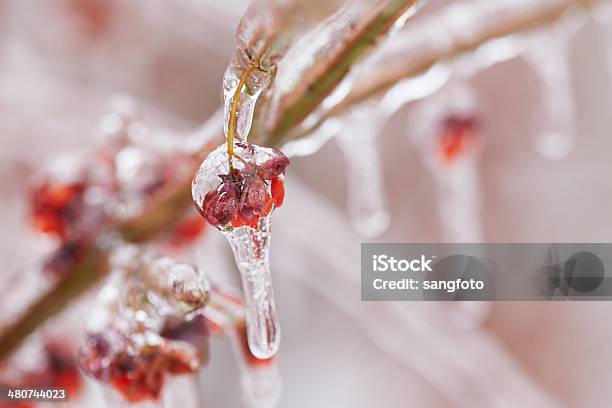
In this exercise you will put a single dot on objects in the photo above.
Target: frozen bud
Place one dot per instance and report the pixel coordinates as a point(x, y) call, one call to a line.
point(244, 196)
point(221, 206)
point(254, 194)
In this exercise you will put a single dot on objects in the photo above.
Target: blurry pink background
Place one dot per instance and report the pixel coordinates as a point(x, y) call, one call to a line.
point(57, 72)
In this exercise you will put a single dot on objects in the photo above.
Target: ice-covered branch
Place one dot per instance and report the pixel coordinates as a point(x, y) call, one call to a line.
point(423, 45)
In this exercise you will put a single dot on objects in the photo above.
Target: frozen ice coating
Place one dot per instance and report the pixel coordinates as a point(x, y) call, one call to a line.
point(367, 198)
point(320, 45)
point(548, 54)
point(254, 83)
point(263, 37)
point(252, 253)
point(239, 203)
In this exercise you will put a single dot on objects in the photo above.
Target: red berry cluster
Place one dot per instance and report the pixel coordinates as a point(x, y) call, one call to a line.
point(138, 371)
point(457, 134)
point(60, 208)
point(246, 195)
point(187, 231)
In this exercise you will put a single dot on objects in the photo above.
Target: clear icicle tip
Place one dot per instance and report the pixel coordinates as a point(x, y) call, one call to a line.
point(252, 254)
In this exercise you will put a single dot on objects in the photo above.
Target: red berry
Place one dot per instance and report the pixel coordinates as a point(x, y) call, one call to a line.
point(245, 218)
point(278, 191)
point(220, 206)
point(457, 134)
point(137, 378)
point(56, 206)
point(188, 231)
point(273, 167)
point(176, 362)
point(254, 194)
point(247, 193)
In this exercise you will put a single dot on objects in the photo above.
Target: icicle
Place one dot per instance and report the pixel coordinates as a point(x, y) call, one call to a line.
point(260, 381)
point(446, 138)
point(367, 202)
point(548, 54)
point(242, 194)
point(448, 142)
point(239, 203)
point(252, 252)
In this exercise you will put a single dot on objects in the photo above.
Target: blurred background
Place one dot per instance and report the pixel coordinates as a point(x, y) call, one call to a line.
point(62, 61)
